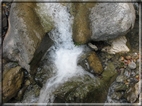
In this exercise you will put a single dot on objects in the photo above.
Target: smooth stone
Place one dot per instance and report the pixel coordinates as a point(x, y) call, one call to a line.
point(94, 47)
point(132, 65)
point(120, 78)
point(110, 20)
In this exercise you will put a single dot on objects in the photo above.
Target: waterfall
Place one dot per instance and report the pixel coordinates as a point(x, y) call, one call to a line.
point(65, 53)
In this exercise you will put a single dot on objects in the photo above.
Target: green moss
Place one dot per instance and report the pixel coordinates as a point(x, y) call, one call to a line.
point(82, 89)
point(77, 44)
point(110, 73)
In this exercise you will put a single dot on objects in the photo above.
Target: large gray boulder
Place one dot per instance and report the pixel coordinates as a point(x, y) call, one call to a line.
point(109, 20)
point(25, 33)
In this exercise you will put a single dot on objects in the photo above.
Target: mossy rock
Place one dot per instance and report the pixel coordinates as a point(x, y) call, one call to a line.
point(85, 89)
point(95, 63)
point(79, 90)
point(81, 25)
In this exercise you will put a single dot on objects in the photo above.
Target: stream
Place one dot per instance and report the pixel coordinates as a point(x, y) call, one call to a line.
point(64, 53)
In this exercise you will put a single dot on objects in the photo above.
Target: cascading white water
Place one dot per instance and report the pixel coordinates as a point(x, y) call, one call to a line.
point(65, 53)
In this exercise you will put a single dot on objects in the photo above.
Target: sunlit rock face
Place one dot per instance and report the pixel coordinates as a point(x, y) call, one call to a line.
point(24, 34)
point(109, 20)
point(118, 45)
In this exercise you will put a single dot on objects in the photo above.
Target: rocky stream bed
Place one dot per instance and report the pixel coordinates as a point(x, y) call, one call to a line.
point(107, 67)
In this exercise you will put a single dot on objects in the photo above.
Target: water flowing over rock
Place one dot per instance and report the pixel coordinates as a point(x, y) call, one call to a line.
point(24, 34)
point(109, 20)
point(86, 89)
point(46, 39)
point(64, 53)
point(90, 62)
point(11, 83)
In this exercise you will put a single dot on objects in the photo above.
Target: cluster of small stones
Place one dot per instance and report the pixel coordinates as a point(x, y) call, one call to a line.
point(126, 87)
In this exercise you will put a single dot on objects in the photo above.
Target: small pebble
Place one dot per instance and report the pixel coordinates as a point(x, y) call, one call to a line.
point(121, 58)
point(120, 78)
point(127, 82)
point(27, 82)
point(138, 60)
point(137, 77)
point(93, 46)
point(127, 74)
point(125, 62)
point(133, 73)
point(128, 57)
point(132, 65)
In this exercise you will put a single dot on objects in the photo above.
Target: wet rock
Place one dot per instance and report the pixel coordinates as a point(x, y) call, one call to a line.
point(132, 65)
point(84, 89)
point(94, 47)
point(31, 93)
point(81, 27)
point(39, 53)
point(110, 20)
point(120, 78)
point(116, 95)
point(127, 73)
point(11, 83)
point(20, 94)
point(24, 34)
point(95, 63)
point(84, 63)
point(120, 87)
point(87, 67)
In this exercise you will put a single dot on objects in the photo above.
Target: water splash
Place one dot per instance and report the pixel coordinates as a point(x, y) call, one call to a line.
point(65, 53)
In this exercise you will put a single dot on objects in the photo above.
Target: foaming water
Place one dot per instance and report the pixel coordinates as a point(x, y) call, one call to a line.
point(65, 53)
